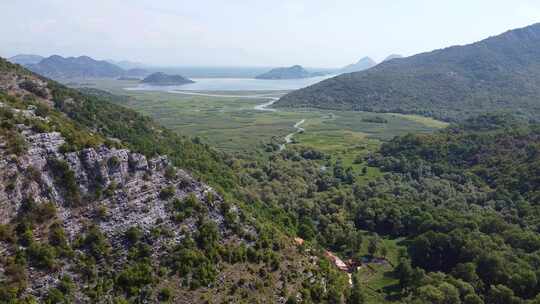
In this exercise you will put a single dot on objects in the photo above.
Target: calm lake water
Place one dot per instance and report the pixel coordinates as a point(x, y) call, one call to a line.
point(236, 84)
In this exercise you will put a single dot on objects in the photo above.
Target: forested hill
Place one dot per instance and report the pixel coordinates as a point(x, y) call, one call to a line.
point(498, 73)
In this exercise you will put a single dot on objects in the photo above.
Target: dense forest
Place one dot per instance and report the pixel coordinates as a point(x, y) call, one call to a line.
point(498, 73)
point(463, 202)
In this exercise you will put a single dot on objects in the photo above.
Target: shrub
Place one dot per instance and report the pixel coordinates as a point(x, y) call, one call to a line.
point(167, 193)
point(134, 278)
point(33, 174)
point(33, 88)
point(113, 162)
point(165, 295)
point(57, 235)
point(25, 236)
point(65, 178)
point(170, 173)
point(6, 233)
point(102, 212)
point(34, 213)
point(15, 143)
point(42, 110)
point(187, 207)
point(133, 235)
point(40, 126)
point(110, 189)
point(42, 256)
point(54, 296)
point(95, 242)
point(66, 285)
point(208, 235)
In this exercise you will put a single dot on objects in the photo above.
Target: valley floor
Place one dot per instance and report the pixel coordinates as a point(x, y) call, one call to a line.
point(233, 121)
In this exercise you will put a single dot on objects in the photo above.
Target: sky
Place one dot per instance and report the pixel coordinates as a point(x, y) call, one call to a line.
point(312, 33)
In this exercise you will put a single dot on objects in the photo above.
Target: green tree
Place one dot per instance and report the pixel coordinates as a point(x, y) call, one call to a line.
point(373, 246)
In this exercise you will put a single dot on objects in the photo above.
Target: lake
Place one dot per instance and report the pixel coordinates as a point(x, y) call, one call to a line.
point(236, 84)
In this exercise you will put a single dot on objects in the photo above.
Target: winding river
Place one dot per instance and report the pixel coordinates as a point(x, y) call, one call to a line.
point(241, 84)
point(289, 137)
point(261, 107)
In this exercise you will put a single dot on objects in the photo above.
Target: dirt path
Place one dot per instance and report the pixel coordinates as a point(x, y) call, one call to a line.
point(289, 137)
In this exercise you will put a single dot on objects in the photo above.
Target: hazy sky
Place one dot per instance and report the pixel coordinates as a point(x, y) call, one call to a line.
point(316, 33)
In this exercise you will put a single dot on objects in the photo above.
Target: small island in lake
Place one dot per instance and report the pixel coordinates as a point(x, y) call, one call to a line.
point(165, 79)
point(294, 72)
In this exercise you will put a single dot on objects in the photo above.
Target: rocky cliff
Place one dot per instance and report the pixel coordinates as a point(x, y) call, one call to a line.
point(115, 190)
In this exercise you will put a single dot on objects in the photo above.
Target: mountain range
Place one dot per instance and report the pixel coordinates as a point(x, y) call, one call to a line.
point(24, 59)
point(500, 73)
point(58, 67)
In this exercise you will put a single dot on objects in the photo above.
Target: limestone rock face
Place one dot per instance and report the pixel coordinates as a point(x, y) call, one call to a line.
point(133, 182)
point(118, 190)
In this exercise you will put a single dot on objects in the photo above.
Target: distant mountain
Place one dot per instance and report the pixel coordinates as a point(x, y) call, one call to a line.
point(25, 59)
point(58, 67)
point(165, 79)
point(501, 73)
point(137, 72)
point(362, 64)
point(293, 72)
point(393, 56)
point(126, 64)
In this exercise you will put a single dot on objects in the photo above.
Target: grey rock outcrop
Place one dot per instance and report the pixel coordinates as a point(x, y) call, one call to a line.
point(119, 190)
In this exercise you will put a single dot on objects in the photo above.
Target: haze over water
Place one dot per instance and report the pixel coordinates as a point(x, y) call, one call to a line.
point(236, 84)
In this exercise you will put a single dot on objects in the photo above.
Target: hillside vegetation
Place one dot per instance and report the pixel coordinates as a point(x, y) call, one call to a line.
point(462, 204)
point(501, 73)
point(89, 201)
point(85, 219)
